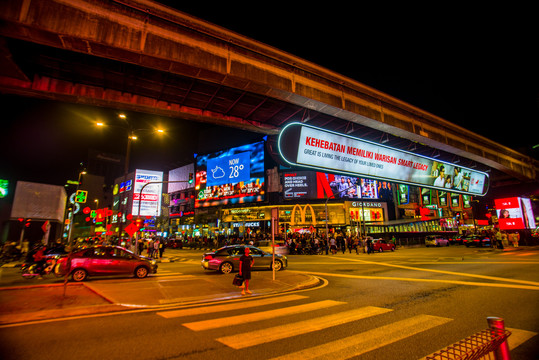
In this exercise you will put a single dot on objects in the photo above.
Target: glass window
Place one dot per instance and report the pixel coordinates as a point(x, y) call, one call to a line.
point(119, 253)
point(255, 251)
point(237, 251)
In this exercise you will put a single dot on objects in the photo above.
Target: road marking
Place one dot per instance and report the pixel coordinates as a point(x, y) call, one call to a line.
point(228, 307)
point(518, 337)
point(536, 284)
point(262, 315)
point(455, 282)
point(240, 341)
point(359, 344)
point(175, 278)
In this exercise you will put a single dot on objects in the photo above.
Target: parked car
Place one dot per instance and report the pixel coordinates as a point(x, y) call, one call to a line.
point(477, 241)
point(102, 260)
point(227, 259)
point(281, 247)
point(436, 240)
point(381, 245)
point(455, 239)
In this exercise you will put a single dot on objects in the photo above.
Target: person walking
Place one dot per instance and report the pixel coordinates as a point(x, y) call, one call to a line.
point(161, 248)
point(246, 263)
point(369, 245)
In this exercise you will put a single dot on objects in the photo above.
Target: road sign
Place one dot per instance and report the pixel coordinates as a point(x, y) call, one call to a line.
point(81, 196)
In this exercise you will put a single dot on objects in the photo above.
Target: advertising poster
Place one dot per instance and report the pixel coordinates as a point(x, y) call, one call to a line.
point(312, 147)
point(442, 199)
point(318, 185)
point(404, 194)
point(150, 198)
point(514, 213)
point(231, 176)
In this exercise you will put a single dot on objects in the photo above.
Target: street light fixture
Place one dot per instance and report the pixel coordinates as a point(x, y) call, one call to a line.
point(131, 135)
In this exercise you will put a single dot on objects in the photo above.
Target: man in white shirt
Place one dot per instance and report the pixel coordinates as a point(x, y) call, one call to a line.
point(440, 180)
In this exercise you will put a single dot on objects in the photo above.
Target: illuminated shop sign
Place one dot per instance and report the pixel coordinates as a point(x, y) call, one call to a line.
point(249, 224)
point(150, 198)
point(514, 213)
point(308, 146)
point(232, 176)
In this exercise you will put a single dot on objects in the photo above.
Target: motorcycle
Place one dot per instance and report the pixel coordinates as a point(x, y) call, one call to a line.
point(32, 270)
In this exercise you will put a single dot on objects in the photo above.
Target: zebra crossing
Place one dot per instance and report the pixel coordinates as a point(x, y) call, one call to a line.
point(253, 312)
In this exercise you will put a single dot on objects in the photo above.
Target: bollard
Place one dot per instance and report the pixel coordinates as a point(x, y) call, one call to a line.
point(502, 352)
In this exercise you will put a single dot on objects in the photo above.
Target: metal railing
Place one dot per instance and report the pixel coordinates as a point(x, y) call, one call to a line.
point(486, 344)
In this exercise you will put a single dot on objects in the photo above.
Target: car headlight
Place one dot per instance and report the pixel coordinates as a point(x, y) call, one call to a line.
point(153, 262)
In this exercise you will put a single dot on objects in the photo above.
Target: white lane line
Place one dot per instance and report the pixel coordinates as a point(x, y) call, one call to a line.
point(240, 341)
point(228, 307)
point(261, 315)
point(526, 282)
point(364, 342)
point(455, 282)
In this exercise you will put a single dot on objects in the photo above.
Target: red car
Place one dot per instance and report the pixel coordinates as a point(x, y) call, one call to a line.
point(106, 260)
point(381, 245)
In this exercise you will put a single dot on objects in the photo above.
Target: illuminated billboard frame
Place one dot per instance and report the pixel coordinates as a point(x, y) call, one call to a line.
point(151, 195)
point(231, 176)
point(315, 148)
point(514, 213)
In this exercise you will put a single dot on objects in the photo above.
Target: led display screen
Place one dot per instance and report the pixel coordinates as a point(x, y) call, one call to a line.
point(514, 213)
point(315, 148)
point(232, 176)
point(150, 197)
point(318, 185)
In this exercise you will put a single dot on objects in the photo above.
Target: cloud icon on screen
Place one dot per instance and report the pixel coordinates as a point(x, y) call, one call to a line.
point(218, 172)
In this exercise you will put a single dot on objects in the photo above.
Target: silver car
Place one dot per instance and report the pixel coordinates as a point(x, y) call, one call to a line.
point(227, 259)
point(436, 240)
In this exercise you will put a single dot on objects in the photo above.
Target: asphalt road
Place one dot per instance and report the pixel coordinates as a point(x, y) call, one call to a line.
point(401, 305)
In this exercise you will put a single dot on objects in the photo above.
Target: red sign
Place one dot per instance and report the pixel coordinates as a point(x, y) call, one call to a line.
point(508, 203)
point(511, 224)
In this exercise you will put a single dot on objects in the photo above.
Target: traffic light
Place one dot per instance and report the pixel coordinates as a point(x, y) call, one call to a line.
point(81, 196)
point(190, 178)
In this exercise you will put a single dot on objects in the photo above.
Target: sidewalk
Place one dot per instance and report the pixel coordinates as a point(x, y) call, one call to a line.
point(41, 302)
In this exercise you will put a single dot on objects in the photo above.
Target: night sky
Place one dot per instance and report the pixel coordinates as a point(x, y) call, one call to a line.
point(473, 67)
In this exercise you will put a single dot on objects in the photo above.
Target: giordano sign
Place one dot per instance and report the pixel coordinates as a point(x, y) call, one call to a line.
point(315, 148)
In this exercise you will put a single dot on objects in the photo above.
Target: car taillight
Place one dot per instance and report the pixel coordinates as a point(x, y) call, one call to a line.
point(208, 257)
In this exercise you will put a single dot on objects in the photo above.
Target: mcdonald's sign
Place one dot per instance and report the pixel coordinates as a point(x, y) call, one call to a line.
point(302, 212)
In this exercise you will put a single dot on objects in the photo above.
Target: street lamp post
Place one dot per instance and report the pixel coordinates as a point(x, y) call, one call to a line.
point(71, 225)
point(71, 215)
point(131, 135)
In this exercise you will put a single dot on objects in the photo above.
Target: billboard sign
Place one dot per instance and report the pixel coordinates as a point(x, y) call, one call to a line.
point(318, 185)
point(231, 176)
point(514, 213)
point(150, 198)
point(315, 148)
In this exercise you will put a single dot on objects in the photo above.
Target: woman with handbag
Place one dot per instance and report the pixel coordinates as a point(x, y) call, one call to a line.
point(246, 262)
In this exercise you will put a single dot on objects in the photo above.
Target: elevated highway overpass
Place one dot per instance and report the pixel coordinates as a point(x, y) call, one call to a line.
point(140, 55)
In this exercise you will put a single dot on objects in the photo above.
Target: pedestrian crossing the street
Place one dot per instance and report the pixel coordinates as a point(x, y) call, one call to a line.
point(253, 311)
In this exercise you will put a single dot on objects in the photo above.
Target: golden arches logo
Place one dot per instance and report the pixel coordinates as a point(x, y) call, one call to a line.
point(302, 214)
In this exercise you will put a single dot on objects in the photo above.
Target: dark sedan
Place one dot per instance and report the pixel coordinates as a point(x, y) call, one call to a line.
point(106, 260)
point(477, 241)
point(227, 259)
